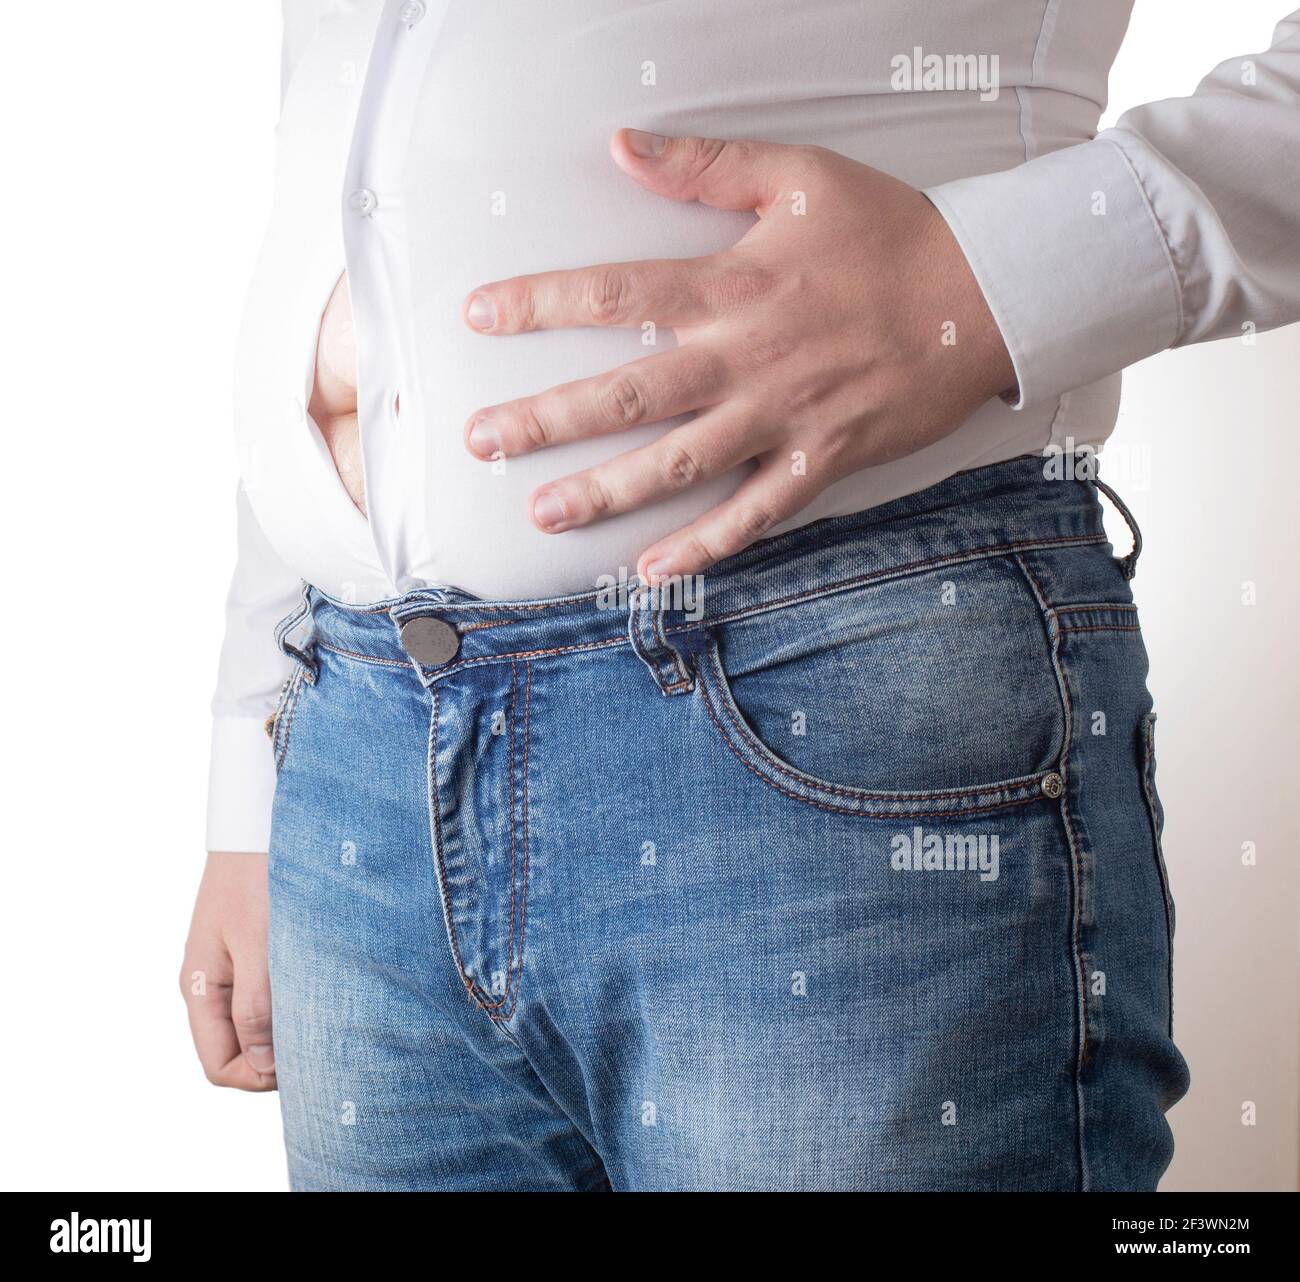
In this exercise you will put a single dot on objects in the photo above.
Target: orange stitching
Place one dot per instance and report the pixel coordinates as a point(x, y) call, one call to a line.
point(513, 963)
point(365, 658)
point(896, 571)
point(486, 623)
point(1103, 627)
point(490, 1007)
point(868, 794)
point(842, 810)
point(523, 902)
point(472, 663)
point(510, 938)
point(436, 808)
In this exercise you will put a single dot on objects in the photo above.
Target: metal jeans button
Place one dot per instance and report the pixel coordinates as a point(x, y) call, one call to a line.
point(430, 641)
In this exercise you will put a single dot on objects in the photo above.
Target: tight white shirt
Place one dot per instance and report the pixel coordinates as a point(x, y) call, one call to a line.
point(428, 146)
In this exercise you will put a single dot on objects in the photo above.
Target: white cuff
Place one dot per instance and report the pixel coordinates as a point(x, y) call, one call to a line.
point(241, 785)
point(1072, 262)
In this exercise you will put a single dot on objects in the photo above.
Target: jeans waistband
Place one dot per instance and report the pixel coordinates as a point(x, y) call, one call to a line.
point(989, 511)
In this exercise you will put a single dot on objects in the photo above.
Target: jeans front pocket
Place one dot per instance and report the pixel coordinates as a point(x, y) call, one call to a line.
point(931, 693)
point(280, 722)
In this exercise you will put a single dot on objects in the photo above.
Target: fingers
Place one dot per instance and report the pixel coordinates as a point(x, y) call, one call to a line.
point(667, 291)
point(704, 448)
point(727, 175)
point(228, 1000)
point(645, 391)
point(765, 499)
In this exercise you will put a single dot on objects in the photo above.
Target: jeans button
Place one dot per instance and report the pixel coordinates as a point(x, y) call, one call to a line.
point(430, 641)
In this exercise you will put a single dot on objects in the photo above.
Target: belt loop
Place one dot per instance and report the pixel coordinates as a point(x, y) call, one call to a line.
point(645, 629)
point(286, 625)
point(1127, 564)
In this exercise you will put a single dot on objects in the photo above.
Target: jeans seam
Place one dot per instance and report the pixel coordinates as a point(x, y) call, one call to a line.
point(435, 814)
point(897, 572)
point(861, 811)
point(1162, 871)
point(284, 717)
point(845, 585)
point(518, 890)
point(524, 655)
point(1103, 627)
point(523, 907)
point(1054, 630)
point(493, 1008)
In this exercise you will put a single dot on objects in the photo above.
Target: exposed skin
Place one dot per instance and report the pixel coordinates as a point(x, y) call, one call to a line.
point(333, 404)
point(224, 977)
point(819, 332)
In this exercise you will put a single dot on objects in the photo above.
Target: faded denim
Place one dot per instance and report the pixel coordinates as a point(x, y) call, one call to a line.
point(845, 874)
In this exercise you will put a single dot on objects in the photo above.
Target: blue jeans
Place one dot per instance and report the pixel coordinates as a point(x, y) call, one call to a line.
point(841, 873)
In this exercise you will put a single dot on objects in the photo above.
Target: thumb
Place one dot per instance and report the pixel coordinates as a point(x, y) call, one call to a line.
point(727, 175)
point(250, 1010)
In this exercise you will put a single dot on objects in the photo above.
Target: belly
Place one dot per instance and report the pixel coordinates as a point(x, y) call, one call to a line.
point(502, 168)
point(333, 404)
point(514, 176)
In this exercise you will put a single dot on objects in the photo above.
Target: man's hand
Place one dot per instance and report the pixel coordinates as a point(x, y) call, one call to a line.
point(224, 977)
point(844, 330)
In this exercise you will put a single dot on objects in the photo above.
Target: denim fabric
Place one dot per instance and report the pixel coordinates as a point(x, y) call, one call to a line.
point(839, 871)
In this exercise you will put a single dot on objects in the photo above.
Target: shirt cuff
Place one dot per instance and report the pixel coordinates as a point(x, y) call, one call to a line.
point(241, 785)
point(1072, 262)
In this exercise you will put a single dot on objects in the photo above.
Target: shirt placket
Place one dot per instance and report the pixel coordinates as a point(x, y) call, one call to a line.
point(375, 249)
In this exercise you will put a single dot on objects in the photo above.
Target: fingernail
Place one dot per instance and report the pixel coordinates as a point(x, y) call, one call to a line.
point(484, 439)
point(548, 511)
point(655, 571)
point(262, 1058)
point(640, 143)
point(482, 312)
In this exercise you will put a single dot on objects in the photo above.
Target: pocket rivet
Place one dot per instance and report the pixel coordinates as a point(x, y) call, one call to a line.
point(1053, 785)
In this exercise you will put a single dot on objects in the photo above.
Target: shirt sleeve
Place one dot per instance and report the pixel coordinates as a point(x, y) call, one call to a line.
point(1180, 224)
point(241, 779)
point(252, 669)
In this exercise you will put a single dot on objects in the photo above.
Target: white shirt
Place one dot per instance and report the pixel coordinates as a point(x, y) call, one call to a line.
point(428, 146)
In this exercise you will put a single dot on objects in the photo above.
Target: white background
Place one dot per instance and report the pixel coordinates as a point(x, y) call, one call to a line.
point(138, 144)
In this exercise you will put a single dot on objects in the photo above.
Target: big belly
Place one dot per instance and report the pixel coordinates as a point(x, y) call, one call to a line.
point(535, 203)
point(509, 172)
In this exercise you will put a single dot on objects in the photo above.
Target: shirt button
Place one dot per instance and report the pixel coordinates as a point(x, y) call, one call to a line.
point(430, 641)
point(412, 12)
point(363, 201)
